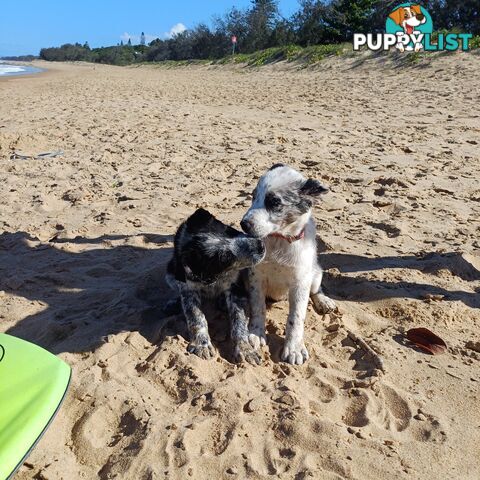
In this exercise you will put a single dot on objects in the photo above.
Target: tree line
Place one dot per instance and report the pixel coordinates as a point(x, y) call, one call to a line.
point(261, 26)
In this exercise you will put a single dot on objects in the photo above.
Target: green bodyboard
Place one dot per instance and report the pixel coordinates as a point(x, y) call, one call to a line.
point(33, 383)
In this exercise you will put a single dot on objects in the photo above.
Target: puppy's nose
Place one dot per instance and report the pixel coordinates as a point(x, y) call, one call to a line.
point(246, 225)
point(420, 16)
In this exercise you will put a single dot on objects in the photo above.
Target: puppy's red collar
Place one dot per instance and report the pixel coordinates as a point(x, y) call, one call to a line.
point(289, 238)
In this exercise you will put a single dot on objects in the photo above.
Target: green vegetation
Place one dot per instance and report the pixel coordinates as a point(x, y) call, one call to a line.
point(118, 55)
point(21, 58)
point(289, 53)
point(475, 42)
point(318, 29)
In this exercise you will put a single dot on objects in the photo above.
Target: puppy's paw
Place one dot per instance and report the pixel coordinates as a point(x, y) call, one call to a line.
point(202, 347)
point(323, 304)
point(295, 354)
point(257, 338)
point(244, 352)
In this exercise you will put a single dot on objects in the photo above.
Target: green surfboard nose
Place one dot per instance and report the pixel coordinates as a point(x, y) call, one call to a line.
point(33, 383)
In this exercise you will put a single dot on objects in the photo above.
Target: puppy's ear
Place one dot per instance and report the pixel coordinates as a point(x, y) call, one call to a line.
point(313, 188)
point(416, 9)
point(199, 218)
point(276, 165)
point(397, 16)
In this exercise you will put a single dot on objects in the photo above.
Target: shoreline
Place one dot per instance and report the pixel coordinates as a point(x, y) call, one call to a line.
point(39, 71)
point(22, 68)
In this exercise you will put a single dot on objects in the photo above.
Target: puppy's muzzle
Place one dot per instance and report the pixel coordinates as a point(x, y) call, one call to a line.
point(247, 226)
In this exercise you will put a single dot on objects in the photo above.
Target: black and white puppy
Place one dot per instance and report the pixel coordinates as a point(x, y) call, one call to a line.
point(207, 261)
point(281, 215)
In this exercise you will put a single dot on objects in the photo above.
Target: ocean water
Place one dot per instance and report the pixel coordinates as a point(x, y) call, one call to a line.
point(10, 70)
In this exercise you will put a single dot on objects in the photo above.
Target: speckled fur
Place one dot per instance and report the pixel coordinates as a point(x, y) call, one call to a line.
point(289, 269)
point(207, 263)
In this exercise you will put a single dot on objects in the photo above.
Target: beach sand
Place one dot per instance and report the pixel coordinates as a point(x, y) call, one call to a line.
point(85, 238)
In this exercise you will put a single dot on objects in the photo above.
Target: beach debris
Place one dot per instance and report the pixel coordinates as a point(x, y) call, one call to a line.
point(369, 351)
point(372, 375)
point(426, 340)
point(454, 376)
point(22, 156)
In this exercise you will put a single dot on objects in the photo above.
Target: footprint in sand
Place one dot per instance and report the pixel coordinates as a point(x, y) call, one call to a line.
point(323, 391)
point(109, 437)
point(428, 428)
point(387, 411)
point(207, 437)
point(128, 440)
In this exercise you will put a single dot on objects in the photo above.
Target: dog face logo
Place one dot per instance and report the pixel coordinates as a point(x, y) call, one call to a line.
point(410, 22)
point(408, 18)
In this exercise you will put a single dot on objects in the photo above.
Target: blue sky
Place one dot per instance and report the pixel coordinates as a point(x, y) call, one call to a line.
point(28, 25)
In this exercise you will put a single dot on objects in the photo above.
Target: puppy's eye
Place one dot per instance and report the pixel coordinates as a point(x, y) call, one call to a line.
point(272, 202)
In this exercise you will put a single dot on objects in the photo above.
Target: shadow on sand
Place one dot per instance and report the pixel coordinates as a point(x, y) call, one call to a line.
point(362, 289)
point(115, 283)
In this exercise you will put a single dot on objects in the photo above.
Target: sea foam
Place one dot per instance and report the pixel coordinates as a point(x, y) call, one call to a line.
point(6, 69)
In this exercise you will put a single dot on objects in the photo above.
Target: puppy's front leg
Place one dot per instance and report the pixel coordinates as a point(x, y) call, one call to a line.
point(294, 351)
point(258, 310)
point(200, 343)
point(243, 351)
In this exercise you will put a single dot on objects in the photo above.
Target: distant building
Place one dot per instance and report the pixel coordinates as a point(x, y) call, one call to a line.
point(142, 39)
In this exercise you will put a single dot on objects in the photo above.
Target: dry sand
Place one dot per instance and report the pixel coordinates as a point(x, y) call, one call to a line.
point(85, 238)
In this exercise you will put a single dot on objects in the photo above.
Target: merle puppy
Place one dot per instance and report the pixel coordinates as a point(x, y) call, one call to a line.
point(207, 262)
point(281, 214)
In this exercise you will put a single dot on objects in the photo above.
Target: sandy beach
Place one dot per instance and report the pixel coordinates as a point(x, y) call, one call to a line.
point(85, 237)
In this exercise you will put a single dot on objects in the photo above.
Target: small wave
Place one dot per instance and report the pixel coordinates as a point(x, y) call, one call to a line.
point(6, 69)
